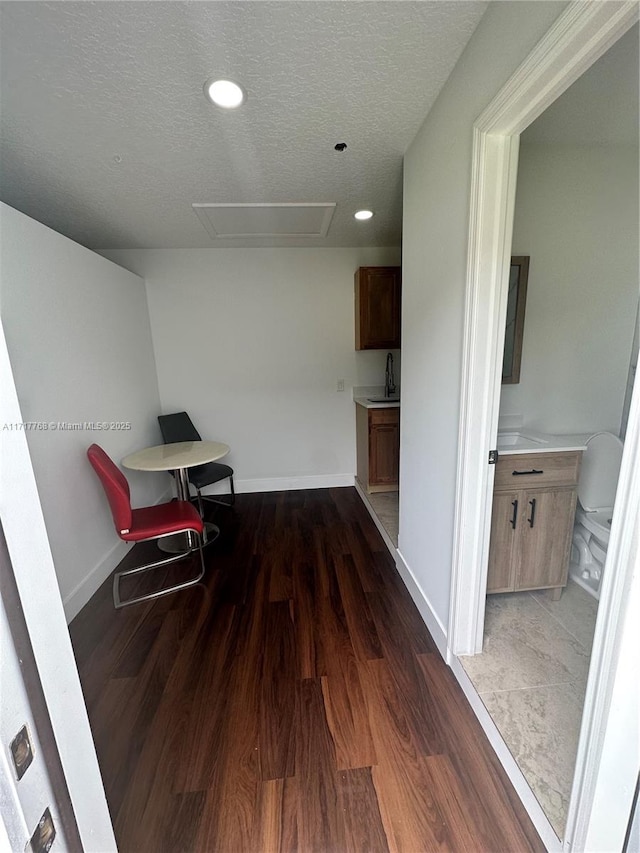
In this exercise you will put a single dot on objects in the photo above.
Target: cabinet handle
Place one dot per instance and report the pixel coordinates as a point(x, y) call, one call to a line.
point(522, 473)
point(532, 518)
point(514, 517)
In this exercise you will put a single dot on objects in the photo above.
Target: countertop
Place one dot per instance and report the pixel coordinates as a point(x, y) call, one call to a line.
point(363, 393)
point(532, 441)
point(367, 404)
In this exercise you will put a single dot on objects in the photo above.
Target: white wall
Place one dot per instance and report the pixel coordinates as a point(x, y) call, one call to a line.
point(437, 174)
point(576, 215)
point(78, 335)
point(252, 342)
point(31, 560)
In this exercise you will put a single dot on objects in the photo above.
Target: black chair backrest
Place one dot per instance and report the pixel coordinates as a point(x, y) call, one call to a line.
point(177, 427)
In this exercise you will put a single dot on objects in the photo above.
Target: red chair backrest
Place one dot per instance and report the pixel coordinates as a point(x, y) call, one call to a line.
point(115, 485)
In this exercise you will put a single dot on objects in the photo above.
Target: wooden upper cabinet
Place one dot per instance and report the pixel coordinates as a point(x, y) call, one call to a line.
point(378, 299)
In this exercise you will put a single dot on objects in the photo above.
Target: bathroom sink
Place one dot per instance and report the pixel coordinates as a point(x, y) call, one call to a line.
point(518, 438)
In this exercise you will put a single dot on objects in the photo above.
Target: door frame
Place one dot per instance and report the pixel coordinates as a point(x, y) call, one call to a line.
point(37, 589)
point(582, 33)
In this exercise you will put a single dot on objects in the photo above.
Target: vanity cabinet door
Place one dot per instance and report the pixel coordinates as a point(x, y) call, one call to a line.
point(384, 447)
point(503, 550)
point(546, 521)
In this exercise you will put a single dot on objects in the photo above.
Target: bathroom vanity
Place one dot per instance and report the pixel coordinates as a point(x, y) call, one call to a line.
point(534, 504)
point(378, 445)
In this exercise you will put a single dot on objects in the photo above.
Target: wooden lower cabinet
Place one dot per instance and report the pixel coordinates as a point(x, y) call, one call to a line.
point(531, 529)
point(378, 448)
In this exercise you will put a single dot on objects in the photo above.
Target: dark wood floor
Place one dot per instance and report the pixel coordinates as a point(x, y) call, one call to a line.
point(293, 701)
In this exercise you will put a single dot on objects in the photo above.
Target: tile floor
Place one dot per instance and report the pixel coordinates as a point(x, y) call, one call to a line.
point(532, 677)
point(385, 505)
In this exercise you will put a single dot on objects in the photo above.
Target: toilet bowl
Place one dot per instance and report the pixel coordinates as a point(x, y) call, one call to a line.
point(596, 495)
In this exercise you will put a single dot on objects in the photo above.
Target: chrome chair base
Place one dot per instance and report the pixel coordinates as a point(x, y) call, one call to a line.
point(229, 503)
point(119, 603)
point(178, 543)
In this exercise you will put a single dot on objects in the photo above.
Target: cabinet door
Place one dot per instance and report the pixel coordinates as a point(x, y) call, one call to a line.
point(384, 454)
point(503, 551)
point(545, 538)
point(378, 308)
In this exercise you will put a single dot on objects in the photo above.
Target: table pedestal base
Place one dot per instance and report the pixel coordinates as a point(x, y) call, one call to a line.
point(180, 541)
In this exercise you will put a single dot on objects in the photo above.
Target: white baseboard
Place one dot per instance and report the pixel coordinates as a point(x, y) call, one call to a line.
point(282, 484)
point(526, 795)
point(429, 616)
point(82, 592)
point(75, 600)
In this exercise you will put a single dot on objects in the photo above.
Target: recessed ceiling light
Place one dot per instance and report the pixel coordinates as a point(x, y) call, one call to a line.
point(225, 93)
point(363, 214)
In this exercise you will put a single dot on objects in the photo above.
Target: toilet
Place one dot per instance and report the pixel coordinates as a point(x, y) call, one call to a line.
point(596, 494)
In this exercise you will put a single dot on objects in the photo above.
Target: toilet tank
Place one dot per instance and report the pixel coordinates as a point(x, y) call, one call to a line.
point(599, 471)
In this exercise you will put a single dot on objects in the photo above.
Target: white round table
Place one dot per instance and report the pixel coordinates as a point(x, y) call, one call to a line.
point(179, 457)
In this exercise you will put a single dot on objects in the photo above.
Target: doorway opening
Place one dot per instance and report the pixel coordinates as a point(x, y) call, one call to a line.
point(569, 49)
point(560, 425)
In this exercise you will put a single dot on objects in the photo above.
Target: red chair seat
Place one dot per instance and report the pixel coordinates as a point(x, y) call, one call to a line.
point(150, 522)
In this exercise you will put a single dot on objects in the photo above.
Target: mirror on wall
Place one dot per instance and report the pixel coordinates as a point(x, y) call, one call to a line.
point(518, 276)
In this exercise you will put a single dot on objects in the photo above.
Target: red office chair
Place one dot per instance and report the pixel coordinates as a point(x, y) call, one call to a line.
point(141, 525)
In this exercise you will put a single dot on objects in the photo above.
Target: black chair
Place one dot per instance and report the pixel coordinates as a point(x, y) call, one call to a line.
point(179, 427)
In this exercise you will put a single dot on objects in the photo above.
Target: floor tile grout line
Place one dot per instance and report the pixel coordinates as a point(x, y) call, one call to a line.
point(518, 689)
point(558, 622)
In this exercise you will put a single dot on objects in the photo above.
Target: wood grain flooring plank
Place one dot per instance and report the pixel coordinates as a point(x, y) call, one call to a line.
point(362, 628)
point(276, 822)
point(344, 700)
point(320, 821)
point(364, 832)
point(449, 795)
point(138, 648)
point(141, 821)
point(372, 566)
point(139, 709)
point(230, 805)
point(398, 652)
point(208, 669)
point(281, 567)
point(310, 586)
point(411, 817)
point(278, 695)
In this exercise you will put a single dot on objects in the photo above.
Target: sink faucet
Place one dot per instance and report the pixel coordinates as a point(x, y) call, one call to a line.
point(389, 381)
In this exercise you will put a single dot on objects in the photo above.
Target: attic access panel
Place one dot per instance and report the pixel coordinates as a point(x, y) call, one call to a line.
point(224, 221)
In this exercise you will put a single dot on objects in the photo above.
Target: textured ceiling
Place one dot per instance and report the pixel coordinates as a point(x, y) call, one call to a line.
point(106, 136)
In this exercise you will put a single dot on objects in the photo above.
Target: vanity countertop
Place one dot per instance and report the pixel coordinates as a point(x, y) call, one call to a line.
point(363, 394)
point(368, 404)
point(523, 440)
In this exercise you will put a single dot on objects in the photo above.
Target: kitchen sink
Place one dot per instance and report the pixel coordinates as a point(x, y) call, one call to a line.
point(383, 399)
